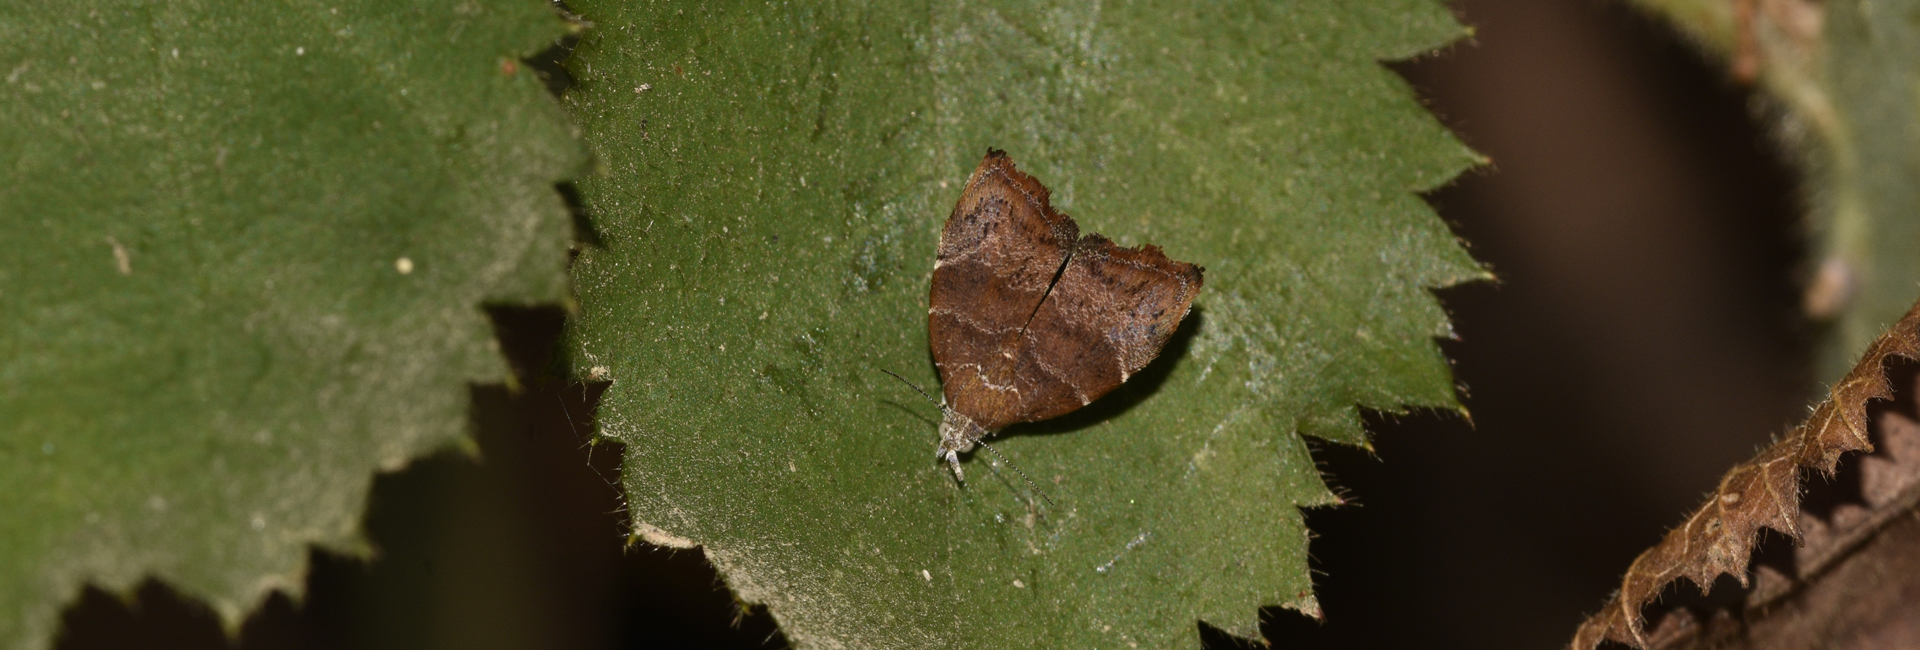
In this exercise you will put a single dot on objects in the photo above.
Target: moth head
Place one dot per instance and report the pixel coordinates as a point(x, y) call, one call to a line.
point(957, 435)
point(957, 432)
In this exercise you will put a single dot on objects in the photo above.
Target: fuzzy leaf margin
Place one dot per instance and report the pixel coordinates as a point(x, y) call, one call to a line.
point(1761, 493)
point(1840, 76)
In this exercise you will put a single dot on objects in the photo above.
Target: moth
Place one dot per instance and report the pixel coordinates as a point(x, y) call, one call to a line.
point(1030, 320)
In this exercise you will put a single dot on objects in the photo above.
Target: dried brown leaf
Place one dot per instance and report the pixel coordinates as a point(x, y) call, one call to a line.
point(1761, 493)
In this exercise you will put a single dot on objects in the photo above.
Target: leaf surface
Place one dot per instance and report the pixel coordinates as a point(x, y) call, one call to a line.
point(246, 250)
point(773, 182)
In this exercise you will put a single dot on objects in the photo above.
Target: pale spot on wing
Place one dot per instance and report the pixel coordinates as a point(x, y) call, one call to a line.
point(984, 381)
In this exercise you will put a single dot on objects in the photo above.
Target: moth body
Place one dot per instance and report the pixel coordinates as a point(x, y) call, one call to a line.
point(958, 433)
point(1028, 319)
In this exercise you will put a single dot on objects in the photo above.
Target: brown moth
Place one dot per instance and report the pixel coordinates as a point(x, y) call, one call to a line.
point(1029, 320)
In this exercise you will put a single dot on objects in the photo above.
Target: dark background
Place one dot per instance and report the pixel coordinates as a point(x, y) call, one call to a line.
point(1642, 339)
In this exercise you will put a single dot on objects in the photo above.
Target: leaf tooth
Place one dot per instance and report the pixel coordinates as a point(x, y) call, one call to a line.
point(1761, 493)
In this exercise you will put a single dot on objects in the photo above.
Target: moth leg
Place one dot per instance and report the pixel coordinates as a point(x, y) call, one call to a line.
point(953, 460)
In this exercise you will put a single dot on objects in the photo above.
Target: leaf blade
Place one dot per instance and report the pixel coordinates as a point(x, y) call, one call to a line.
point(214, 337)
point(775, 181)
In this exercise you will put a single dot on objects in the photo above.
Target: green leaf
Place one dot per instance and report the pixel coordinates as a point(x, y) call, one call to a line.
point(246, 250)
point(1845, 72)
point(774, 178)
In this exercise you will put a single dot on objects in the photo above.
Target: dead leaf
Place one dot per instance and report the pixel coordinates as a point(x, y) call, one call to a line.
point(1762, 493)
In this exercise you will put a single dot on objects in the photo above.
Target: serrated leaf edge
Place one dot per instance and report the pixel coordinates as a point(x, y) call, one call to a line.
point(1763, 492)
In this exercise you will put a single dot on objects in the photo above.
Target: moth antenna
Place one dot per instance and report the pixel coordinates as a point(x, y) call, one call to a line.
point(915, 388)
point(1016, 469)
point(954, 459)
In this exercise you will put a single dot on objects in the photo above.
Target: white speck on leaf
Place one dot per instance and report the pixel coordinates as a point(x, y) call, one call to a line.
point(121, 258)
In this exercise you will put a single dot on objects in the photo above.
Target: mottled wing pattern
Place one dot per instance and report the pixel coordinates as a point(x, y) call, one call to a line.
point(1001, 249)
point(1107, 317)
point(1028, 321)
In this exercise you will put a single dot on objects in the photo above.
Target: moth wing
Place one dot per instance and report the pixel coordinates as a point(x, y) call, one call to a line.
point(1000, 251)
point(1109, 315)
